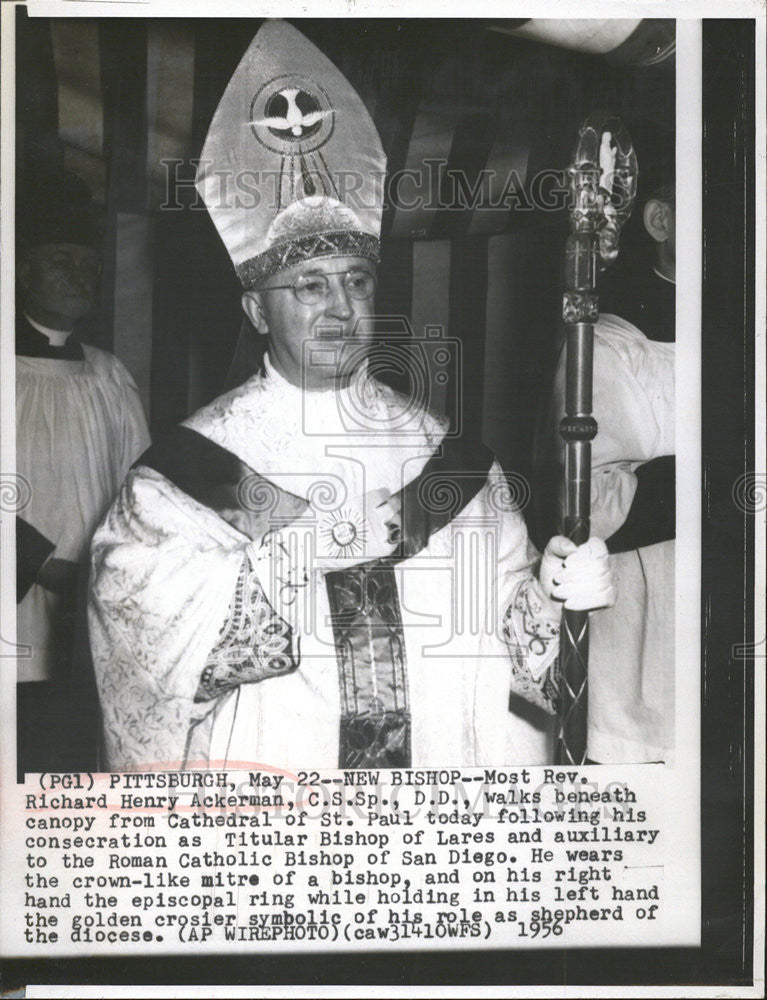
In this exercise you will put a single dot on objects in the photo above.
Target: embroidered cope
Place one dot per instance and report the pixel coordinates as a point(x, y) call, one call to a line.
point(223, 636)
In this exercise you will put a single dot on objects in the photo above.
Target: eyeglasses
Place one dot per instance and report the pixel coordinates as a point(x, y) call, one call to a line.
point(313, 288)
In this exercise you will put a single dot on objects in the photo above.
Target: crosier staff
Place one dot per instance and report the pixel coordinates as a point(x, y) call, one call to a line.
point(603, 179)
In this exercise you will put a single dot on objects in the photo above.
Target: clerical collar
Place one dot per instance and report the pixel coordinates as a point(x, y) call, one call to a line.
point(56, 338)
point(32, 342)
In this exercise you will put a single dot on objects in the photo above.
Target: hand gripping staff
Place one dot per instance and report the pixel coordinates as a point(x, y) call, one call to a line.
point(603, 178)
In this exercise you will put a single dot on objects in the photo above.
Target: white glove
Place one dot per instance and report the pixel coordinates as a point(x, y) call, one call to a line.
point(578, 576)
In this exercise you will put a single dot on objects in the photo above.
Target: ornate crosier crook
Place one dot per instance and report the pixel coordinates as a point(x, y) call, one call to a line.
point(603, 179)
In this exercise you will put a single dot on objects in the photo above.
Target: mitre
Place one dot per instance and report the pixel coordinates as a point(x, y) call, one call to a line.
point(292, 168)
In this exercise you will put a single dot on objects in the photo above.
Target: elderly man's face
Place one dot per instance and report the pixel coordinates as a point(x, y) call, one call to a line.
point(60, 280)
point(318, 336)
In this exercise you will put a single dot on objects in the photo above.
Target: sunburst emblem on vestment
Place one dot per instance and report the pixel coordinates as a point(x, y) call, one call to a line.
point(343, 534)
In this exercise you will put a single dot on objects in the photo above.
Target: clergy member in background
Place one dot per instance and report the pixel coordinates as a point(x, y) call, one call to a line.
point(80, 425)
point(314, 570)
point(631, 645)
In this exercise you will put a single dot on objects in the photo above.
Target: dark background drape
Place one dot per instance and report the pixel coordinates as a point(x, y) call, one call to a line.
point(486, 120)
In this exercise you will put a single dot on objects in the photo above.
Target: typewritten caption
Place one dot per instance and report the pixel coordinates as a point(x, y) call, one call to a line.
point(168, 861)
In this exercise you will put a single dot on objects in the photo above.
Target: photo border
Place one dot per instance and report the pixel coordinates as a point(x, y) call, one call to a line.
point(729, 733)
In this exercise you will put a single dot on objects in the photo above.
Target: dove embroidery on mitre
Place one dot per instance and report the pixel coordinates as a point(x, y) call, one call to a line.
point(292, 129)
point(294, 119)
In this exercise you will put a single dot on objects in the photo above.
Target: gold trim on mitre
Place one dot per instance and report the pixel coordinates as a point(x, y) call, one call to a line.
point(292, 167)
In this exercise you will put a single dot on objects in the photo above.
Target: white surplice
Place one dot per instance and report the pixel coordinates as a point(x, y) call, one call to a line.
point(80, 425)
point(631, 645)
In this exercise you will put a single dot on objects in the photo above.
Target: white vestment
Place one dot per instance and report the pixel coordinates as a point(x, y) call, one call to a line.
point(80, 425)
point(167, 572)
point(631, 645)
